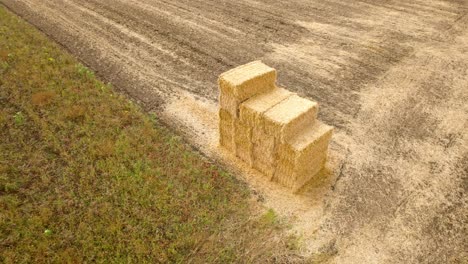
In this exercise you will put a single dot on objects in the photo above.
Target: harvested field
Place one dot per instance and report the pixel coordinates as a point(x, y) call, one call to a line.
point(390, 76)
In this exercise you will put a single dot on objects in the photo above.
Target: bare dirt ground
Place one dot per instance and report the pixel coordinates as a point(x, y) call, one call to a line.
point(391, 76)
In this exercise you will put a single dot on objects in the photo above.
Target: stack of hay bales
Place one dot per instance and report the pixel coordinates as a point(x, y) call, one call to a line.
point(269, 128)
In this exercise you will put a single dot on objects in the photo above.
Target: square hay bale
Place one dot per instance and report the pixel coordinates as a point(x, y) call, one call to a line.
point(285, 173)
point(264, 152)
point(243, 142)
point(290, 117)
point(293, 176)
point(304, 176)
point(304, 156)
point(229, 103)
point(252, 109)
point(265, 167)
point(244, 82)
point(311, 142)
point(226, 130)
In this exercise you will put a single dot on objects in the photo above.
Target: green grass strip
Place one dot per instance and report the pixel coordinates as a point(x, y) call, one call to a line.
point(86, 176)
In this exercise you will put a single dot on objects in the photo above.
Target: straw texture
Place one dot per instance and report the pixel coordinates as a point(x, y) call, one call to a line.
point(243, 142)
point(290, 117)
point(269, 128)
point(252, 109)
point(264, 152)
point(244, 82)
point(304, 156)
point(226, 130)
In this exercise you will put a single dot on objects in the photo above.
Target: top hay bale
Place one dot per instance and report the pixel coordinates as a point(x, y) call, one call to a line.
point(244, 82)
point(303, 156)
point(288, 118)
point(252, 109)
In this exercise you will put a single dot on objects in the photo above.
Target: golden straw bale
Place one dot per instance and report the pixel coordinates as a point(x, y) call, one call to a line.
point(313, 139)
point(303, 156)
point(294, 176)
point(229, 103)
point(305, 174)
point(251, 109)
point(290, 117)
point(285, 173)
point(243, 142)
point(244, 82)
point(264, 152)
point(271, 129)
point(226, 130)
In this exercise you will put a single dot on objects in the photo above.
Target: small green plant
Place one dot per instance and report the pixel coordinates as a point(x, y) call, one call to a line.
point(270, 218)
point(19, 118)
point(47, 232)
point(84, 72)
point(4, 66)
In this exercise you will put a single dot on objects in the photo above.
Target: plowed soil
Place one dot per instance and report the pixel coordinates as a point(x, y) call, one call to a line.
point(391, 76)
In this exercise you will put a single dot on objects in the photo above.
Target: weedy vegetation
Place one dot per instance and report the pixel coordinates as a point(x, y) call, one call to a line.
point(86, 176)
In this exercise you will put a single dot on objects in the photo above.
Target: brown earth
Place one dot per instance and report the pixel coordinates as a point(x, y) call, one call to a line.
point(391, 76)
